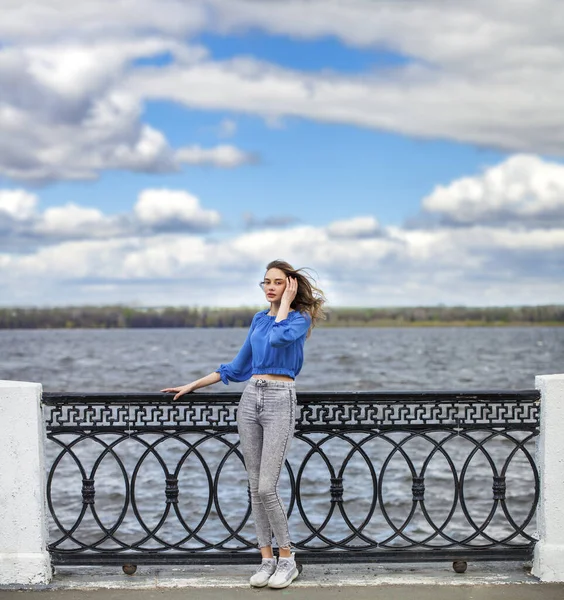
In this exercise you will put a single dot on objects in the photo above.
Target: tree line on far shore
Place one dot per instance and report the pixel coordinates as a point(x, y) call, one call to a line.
point(105, 317)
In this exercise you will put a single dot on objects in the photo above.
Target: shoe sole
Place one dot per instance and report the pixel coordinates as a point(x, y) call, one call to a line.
point(286, 584)
point(260, 585)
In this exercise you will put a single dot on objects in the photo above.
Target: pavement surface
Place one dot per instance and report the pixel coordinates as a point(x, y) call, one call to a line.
point(400, 592)
point(426, 581)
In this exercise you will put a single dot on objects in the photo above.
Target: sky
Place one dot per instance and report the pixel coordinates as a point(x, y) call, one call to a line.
point(162, 152)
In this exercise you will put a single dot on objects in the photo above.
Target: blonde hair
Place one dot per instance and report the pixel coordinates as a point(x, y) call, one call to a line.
point(309, 298)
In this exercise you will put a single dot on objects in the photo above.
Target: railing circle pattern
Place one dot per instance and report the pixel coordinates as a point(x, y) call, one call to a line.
point(366, 473)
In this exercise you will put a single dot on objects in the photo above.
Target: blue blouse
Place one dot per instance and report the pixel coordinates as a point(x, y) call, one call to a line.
point(271, 347)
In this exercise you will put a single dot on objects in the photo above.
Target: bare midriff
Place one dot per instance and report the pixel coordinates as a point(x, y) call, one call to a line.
point(273, 377)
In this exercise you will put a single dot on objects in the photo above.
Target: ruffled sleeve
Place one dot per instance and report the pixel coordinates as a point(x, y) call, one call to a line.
point(293, 327)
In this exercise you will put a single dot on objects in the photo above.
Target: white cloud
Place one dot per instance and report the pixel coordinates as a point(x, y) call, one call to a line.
point(475, 265)
point(72, 95)
point(157, 253)
point(51, 19)
point(164, 209)
point(418, 269)
point(75, 222)
point(65, 115)
point(63, 118)
point(522, 189)
point(417, 101)
point(472, 74)
point(19, 205)
point(71, 106)
point(356, 227)
point(156, 210)
point(224, 155)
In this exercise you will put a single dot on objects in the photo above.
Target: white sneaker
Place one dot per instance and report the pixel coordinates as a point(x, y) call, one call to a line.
point(285, 573)
point(266, 569)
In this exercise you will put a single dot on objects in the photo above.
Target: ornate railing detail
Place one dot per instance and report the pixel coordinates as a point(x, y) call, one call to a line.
point(88, 491)
point(350, 410)
point(384, 476)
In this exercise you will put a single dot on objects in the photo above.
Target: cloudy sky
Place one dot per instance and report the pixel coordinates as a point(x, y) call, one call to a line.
point(161, 152)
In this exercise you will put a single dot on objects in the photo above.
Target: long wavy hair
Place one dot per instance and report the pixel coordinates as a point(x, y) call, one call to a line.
point(309, 298)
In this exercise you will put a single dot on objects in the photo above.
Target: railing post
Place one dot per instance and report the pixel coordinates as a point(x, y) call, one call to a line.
point(548, 564)
point(23, 527)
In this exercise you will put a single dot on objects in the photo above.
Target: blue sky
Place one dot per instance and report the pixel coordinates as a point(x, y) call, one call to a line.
point(302, 167)
point(149, 149)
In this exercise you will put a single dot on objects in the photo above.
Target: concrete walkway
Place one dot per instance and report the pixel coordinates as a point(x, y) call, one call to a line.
point(384, 592)
point(425, 581)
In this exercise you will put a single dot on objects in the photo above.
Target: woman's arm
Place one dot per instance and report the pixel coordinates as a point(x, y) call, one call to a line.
point(194, 385)
point(284, 333)
point(287, 298)
point(287, 330)
point(239, 369)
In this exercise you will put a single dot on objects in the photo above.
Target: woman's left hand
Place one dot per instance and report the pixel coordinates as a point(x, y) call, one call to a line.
point(290, 291)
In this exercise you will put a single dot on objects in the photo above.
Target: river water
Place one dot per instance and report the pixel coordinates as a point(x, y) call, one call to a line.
point(348, 359)
point(145, 360)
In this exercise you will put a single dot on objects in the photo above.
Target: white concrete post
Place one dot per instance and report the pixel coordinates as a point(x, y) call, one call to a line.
point(548, 563)
point(23, 526)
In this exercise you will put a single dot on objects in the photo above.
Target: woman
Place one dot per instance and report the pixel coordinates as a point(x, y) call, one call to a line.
point(272, 357)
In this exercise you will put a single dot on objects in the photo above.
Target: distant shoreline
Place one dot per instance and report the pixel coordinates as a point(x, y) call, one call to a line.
point(434, 325)
point(124, 317)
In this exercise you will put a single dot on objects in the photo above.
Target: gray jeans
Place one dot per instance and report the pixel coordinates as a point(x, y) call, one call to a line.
point(266, 420)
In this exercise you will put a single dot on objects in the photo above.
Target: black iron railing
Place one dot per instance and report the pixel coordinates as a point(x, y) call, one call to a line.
point(387, 476)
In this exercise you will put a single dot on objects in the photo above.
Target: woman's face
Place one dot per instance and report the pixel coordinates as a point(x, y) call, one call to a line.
point(274, 284)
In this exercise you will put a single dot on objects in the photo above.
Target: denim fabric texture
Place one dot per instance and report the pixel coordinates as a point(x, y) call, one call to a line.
point(266, 421)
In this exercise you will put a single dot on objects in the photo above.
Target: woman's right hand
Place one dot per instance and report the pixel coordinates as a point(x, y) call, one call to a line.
point(179, 391)
point(194, 385)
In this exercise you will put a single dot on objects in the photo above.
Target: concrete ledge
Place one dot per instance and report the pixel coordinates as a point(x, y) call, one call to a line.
point(28, 569)
point(313, 576)
point(23, 512)
point(545, 591)
point(549, 561)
